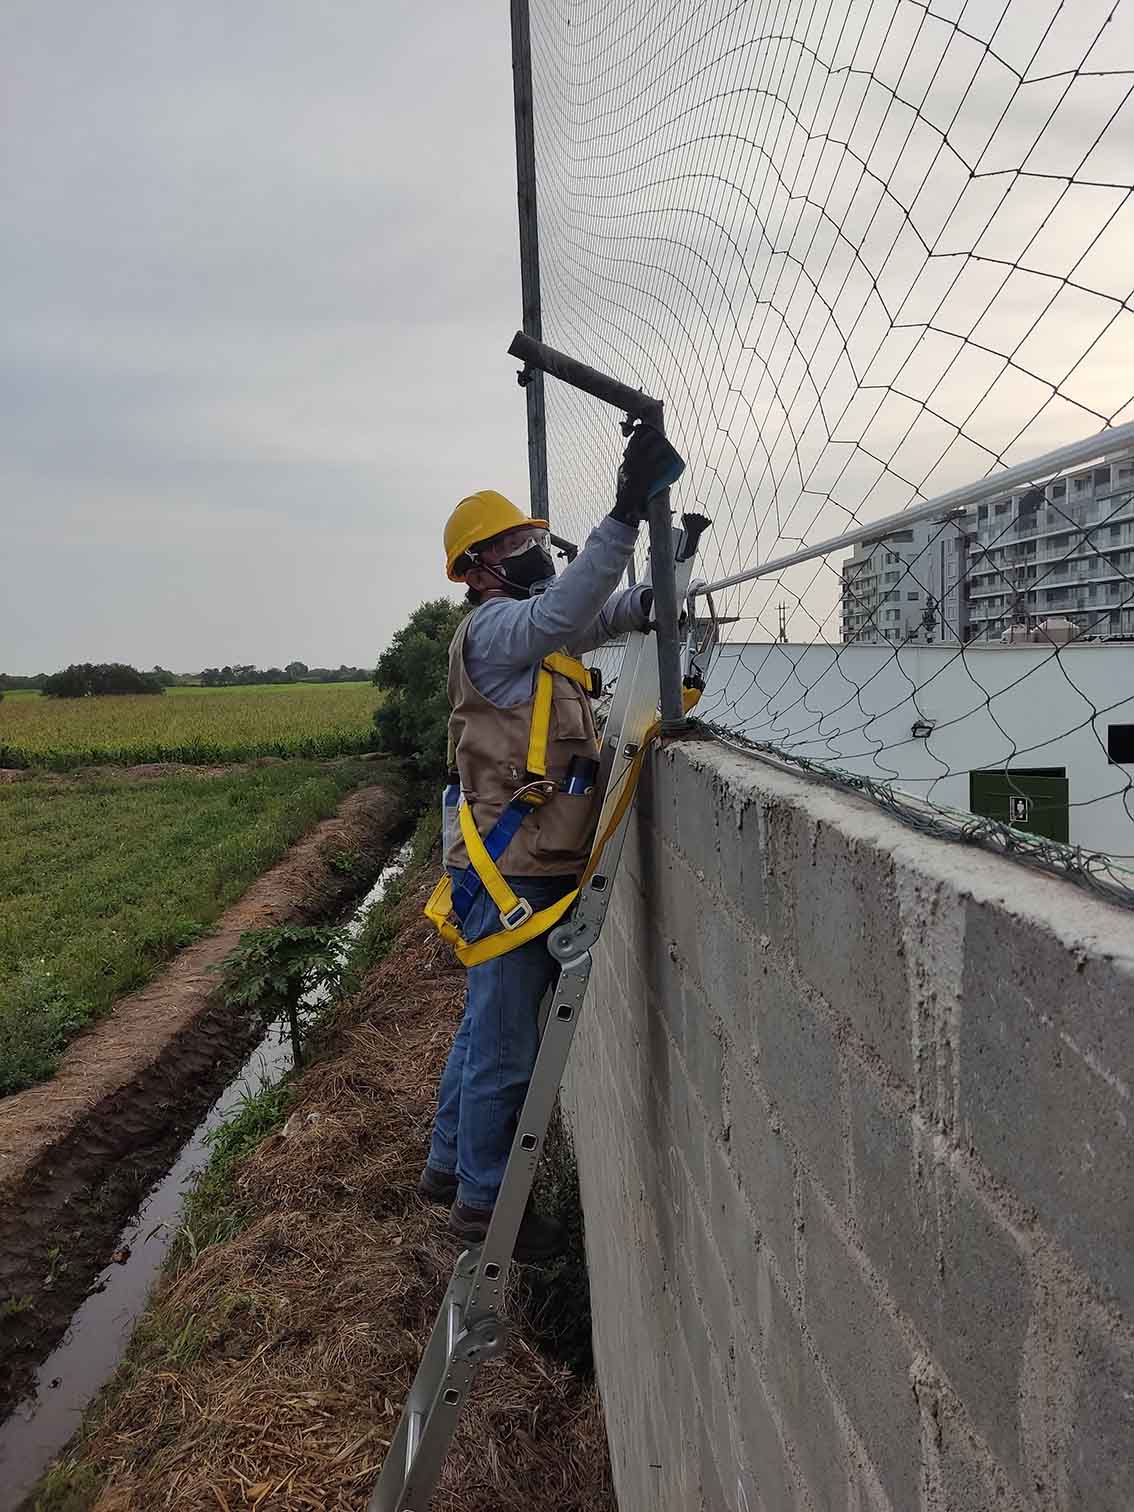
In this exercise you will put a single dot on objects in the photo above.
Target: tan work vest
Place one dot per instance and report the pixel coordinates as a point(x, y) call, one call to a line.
point(491, 749)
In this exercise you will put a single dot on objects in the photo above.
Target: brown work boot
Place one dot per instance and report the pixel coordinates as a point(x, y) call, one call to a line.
point(437, 1186)
point(539, 1238)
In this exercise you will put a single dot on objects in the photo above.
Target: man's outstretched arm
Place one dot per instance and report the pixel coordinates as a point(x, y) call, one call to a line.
point(508, 638)
point(627, 610)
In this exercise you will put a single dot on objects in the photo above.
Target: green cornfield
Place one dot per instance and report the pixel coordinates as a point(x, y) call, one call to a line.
point(197, 726)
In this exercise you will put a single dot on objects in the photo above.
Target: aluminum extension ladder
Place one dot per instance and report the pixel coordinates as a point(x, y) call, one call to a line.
point(470, 1327)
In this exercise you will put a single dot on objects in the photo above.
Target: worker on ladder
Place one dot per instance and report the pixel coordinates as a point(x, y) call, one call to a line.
point(523, 759)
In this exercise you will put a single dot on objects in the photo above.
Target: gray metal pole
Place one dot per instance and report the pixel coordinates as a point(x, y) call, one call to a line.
point(944, 505)
point(666, 612)
point(539, 357)
point(529, 251)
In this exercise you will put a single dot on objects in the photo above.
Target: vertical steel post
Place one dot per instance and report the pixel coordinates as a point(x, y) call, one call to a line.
point(529, 251)
point(666, 611)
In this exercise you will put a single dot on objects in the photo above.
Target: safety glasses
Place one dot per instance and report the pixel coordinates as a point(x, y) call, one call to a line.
point(532, 538)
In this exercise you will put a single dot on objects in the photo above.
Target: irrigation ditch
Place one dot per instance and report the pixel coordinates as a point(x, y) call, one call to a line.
point(283, 1323)
point(81, 1154)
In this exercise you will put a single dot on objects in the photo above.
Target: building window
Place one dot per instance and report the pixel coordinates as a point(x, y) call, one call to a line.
point(1102, 475)
point(1120, 742)
point(1059, 490)
point(913, 597)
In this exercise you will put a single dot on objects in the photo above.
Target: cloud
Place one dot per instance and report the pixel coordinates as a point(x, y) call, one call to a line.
point(258, 277)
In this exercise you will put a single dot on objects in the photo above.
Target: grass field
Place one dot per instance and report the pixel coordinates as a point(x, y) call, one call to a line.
point(195, 725)
point(103, 878)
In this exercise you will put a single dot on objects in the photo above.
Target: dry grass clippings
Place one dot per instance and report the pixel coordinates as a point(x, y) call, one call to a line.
point(272, 1370)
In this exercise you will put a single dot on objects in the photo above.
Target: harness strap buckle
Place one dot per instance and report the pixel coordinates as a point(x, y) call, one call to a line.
point(535, 792)
point(516, 916)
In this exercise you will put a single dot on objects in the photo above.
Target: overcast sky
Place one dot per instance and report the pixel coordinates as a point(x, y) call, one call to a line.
point(258, 275)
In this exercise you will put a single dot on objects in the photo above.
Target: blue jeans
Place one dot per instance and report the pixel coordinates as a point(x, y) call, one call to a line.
point(489, 1067)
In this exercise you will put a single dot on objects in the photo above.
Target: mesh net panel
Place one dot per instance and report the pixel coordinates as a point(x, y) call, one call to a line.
point(868, 251)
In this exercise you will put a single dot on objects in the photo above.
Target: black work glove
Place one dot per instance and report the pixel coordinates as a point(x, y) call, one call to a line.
point(649, 464)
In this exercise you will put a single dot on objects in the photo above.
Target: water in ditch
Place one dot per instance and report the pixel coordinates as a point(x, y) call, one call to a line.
point(85, 1358)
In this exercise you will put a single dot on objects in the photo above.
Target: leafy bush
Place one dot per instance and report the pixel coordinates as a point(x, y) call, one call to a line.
point(91, 680)
point(286, 969)
point(413, 720)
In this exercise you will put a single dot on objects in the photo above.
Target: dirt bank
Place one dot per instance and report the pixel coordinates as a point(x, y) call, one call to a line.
point(76, 1152)
point(271, 1370)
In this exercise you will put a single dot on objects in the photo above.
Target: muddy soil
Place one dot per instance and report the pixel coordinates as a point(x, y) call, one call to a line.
point(308, 1324)
point(78, 1152)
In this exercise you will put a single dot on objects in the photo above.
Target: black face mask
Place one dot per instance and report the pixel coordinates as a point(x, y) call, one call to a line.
point(527, 572)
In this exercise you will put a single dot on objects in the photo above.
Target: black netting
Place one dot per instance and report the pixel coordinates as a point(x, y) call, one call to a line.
point(869, 251)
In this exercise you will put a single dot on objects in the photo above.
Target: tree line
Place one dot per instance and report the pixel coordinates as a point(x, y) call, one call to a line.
point(411, 721)
point(246, 676)
point(92, 679)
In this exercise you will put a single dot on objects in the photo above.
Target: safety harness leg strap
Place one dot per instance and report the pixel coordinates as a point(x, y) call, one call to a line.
point(513, 910)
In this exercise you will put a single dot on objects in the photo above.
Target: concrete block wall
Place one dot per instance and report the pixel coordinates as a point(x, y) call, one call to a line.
point(852, 1111)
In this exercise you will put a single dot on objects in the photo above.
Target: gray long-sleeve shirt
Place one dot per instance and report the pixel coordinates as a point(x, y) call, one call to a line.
point(508, 638)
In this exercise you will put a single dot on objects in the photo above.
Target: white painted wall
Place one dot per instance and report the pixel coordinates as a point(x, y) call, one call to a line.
point(852, 706)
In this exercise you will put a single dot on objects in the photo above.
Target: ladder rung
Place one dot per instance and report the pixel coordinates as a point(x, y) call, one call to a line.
point(413, 1437)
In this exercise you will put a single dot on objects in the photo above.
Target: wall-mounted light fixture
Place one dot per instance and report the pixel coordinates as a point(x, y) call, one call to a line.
point(921, 729)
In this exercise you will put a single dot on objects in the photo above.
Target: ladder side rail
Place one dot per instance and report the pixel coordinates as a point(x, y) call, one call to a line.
point(445, 1377)
point(570, 944)
point(397, 1467)
point(637, 647)
point(449, 1365)
point(468, 1328)
point(582, 927)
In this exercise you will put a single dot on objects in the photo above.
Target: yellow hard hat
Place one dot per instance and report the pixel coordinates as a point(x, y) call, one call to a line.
point(478, 518)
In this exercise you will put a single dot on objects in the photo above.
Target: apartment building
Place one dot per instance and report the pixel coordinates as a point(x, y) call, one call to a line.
point(1061, 551)
point(908, 587)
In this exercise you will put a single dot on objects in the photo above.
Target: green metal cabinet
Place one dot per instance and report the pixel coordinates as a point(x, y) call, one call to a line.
point(1027, 798)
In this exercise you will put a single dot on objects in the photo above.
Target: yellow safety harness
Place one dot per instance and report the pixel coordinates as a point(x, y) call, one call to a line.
point(518, 920)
